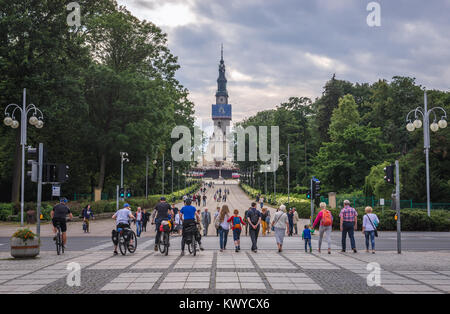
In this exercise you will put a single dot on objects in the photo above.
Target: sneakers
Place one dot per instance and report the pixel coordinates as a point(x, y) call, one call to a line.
point(115, 253)
point(355, 251)
point(201, 248)
point(182, 253)
point(237, 250)
point(156, 248)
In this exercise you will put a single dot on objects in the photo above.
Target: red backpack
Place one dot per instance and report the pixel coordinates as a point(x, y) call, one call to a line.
point(326, 218)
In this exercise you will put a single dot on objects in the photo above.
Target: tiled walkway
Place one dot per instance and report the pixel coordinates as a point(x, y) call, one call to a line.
point(224, 272)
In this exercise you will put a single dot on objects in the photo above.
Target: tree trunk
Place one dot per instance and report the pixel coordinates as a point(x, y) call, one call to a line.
point(15, 190)
point(101, 176)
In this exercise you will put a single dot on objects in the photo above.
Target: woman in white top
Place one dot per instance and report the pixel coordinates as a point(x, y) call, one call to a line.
point(178, 223)
point(370, 222)
point(138, 221)
point(280, 224)
point(224, 227)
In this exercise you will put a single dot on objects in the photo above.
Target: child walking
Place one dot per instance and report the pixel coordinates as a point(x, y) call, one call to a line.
point(306, 235)
point(236, 224)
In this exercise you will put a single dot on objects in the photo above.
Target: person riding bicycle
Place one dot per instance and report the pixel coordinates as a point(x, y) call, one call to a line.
point(122, 217)
point(187, 215)
point(163, 210)
point(58, 215)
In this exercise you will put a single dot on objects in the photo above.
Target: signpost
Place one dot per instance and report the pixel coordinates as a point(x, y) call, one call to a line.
point(56, 190)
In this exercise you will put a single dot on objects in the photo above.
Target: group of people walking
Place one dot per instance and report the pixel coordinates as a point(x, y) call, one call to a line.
point(284, 223)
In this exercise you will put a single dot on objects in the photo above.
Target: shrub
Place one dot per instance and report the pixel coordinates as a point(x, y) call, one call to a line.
point(24, 234)
point(6, 210)
point(411, 219)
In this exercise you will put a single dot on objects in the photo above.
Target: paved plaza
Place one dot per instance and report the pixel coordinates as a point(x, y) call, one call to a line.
point(227, 273)
point(423, 267)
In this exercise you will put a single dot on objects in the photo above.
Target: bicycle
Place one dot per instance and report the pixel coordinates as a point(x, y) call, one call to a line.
point(165, 231)
point(59, 240)
point(190, 239)
point(126, 235)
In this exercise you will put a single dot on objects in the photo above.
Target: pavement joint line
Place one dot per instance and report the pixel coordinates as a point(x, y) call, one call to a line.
point(212, 278)
point(260, 272)
point(393, 271)
point(164, 275)
point(420, 282)
point(292, 262)
point(42, 268)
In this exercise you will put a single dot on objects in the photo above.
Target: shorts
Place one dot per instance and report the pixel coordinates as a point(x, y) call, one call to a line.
point(236, 234)
point(123, 226)
point(61, 223)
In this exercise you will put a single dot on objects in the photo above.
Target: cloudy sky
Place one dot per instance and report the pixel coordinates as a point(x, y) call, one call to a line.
point(275, 49)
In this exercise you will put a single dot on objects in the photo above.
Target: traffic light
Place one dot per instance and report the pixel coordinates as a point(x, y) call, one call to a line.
point(308, 195)
point(62, 175)
point(316, 188)
point(49, 173)
point(121, 192)
point(128, 193)
point(389, 174)
point(33, 162)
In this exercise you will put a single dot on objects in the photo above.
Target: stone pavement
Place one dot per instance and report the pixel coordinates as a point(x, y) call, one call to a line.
point(227, 273)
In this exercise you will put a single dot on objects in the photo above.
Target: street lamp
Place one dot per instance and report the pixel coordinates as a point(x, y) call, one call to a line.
point(417, 124)
point(10, 120)
point(164, 173)
point(280, 163)
point(288, 171)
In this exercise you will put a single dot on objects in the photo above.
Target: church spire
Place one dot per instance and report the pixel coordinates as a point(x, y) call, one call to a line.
point(222, 81)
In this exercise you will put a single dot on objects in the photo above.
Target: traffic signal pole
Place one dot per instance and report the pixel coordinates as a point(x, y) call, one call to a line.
point(397, 206)
point(39, 191)
point(312, 200)
point(117, 197)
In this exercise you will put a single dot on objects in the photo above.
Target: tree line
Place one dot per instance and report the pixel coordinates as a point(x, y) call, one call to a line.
point(105, 87)
point(351, 132)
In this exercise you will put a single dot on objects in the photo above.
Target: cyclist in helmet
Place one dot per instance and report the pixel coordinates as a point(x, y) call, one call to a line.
point(58, 214)
point(122, 217)
point(163, 210)
point(187, 214)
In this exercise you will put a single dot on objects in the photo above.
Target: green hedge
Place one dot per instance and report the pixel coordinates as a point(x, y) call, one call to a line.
point(411, 219)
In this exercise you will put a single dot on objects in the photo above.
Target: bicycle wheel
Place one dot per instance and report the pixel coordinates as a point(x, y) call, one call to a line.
point(189, 245)
point(58, 242)
point(194, 245)
point(132, 239)
point(161, 246)
point(166, 243)
point(122, 245)
point(61, 243)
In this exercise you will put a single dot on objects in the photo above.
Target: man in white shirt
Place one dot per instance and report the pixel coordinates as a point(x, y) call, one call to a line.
point(122, 217)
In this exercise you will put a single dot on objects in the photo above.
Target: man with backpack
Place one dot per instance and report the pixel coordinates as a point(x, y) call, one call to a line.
point(254, 220)
point(326, 225)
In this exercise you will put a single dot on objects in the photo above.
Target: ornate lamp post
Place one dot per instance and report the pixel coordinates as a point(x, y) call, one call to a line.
point(36, 119)
point(435, 126)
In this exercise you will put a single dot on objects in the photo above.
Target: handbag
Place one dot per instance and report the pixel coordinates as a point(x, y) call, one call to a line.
point(375, 229)
point(275, 222)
